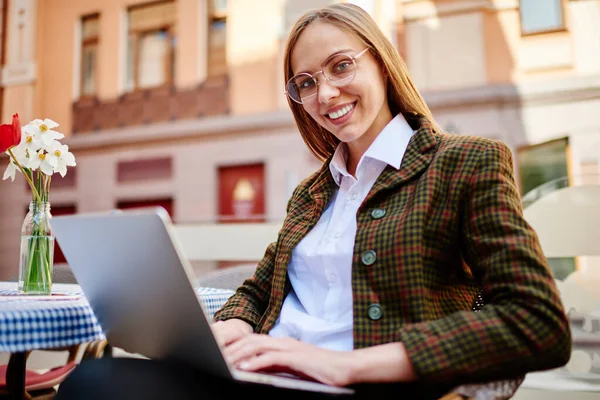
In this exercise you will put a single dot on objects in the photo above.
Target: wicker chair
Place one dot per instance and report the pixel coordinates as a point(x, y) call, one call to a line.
point(227, 278)
point(62, 273)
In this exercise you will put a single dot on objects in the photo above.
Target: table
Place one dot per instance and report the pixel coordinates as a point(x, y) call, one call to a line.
point(30, 323)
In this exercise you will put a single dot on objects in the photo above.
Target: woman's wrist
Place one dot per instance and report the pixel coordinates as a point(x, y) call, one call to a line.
point(243, 325)
point(383, 363)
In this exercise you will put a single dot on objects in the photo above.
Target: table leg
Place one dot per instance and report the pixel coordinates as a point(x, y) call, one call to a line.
point(15, 375)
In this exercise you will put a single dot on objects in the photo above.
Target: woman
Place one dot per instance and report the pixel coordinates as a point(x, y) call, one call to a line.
point(385, 249)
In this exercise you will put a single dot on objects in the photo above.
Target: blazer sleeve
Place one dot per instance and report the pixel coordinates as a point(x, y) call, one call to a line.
point(523, 326)
point(249, 301)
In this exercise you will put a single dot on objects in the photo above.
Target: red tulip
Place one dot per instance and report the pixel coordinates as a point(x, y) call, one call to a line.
point(16, 123)
point(10, 135)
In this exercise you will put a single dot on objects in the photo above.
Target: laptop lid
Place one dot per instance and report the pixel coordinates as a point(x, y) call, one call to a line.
point(139, 285)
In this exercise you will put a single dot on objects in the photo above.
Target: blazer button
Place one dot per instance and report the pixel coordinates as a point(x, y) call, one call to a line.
point(378, 213)
point(369, 257)
point(375, 312)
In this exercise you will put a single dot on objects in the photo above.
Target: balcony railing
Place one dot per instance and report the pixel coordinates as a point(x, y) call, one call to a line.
point(149, 106)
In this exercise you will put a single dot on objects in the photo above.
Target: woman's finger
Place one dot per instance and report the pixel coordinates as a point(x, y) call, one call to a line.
point(253, 345)
point(272, 361)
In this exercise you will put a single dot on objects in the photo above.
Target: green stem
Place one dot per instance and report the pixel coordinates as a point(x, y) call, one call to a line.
point(37, 270)
point(30, 262)
point(47, 189)
point(39, 184)
point(38, 273)
point(35, 192)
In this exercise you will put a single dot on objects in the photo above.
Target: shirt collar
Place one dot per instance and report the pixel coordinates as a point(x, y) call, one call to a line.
point(388, 147)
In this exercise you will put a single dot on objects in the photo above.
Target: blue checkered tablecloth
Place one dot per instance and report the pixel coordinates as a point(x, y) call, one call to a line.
point(30, 323)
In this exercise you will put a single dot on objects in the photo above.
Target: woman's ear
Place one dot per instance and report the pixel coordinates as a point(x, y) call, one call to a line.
point(385, 73)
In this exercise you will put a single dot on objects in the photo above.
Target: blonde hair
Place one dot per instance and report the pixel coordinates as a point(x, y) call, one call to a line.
point(403, 96)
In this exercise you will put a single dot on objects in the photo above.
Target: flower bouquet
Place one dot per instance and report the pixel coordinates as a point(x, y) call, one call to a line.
point(35, 152)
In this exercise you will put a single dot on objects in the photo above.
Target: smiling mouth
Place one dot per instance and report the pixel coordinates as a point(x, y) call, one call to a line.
point(341, 112)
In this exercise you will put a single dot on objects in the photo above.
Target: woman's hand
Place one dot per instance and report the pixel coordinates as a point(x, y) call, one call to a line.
point(227, 332)
point(383, 363)
point(259, 352)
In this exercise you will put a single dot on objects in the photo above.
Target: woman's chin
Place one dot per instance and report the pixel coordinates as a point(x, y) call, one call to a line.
point(346, 136)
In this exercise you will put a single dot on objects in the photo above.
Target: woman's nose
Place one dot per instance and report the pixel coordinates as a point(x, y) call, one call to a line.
point(326, 91)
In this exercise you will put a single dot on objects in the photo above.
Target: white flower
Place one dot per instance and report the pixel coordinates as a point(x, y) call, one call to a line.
point(60, 157)
point(42, 130)
point(20, 153)
point(40, 160)
point(32, 142)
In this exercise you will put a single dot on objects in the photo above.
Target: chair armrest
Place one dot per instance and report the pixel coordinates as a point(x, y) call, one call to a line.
point(96, 349)
point(495, 390)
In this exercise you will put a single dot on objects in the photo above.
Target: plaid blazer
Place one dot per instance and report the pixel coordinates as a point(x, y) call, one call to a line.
point(429, 236)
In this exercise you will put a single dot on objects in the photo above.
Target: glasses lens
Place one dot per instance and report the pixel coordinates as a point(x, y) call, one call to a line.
point(340, 70)
point(301, 86)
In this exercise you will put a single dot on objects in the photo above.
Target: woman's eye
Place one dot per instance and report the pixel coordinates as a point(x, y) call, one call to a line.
point(342, 66)
point(306, 84)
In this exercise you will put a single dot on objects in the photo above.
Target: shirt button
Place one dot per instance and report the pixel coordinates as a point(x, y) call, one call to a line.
point(378, 213)
point(294, 334)
point(353, 196)
point(375, 312)
point(331, 278)
point(369, 257)
point(337, 235)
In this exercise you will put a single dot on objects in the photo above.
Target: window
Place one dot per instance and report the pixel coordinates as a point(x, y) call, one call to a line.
point(89, 54)
point(242, 193)
point(217, 38)
point(539, 16)
point(539, 164)
point(151, 45)
point(149, 170)
point(543, 168)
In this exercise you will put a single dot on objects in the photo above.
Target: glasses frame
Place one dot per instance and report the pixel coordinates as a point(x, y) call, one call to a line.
point(314, 75)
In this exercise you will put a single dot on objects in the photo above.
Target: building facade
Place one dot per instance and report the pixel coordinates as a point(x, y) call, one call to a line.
point(180, 103)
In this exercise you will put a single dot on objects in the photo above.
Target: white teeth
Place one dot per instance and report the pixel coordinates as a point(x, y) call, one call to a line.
point(340, 113)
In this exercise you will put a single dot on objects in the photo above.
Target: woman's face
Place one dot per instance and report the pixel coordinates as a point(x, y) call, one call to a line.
point(356, 112)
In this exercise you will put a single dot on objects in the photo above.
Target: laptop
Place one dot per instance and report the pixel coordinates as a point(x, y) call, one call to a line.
point(141, 289)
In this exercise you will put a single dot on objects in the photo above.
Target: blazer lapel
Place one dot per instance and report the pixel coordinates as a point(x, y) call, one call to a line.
point(320, 193)
point(419, 154)
point(307, 215)
point(321, 190)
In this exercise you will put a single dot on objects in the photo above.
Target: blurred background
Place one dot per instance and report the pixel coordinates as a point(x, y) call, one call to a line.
point(180, 103)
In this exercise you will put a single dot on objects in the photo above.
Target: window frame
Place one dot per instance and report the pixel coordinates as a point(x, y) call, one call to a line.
point(555, 263)
point(214, 16)
point(94, 41)
point(137, 34)
point(562, 28)
point(524, 149)
point(170, 73)
point(216, 13)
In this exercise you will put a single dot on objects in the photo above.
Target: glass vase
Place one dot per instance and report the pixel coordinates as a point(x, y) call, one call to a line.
point(37, 251)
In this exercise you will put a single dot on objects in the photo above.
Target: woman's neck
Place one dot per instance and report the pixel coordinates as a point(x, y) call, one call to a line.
point(357, 148)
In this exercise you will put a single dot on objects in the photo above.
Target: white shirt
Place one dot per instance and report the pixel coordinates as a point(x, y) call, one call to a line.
point(318, 309)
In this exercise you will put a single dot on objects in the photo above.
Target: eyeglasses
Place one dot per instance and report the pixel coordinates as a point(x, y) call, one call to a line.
point(339, 70)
